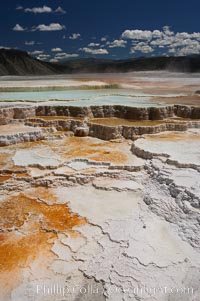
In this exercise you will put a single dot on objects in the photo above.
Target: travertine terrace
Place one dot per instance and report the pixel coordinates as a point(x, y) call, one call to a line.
point(101, 202)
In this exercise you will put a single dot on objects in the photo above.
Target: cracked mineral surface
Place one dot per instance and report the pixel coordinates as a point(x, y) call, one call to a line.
point(101, 202)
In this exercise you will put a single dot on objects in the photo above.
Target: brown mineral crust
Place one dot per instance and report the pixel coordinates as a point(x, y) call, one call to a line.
point(77, 147)
point(38, 222)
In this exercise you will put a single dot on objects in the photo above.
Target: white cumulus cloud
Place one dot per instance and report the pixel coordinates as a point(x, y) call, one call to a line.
point(93, 45)
point(142, 47)
point(43, 57)
point(163, 42)
point(64, 55)
point(38, 10)
point(42, 10)
point(103, 39)
point(167, 31)
point(74, 36)
point(50, 27)
point(56, 49)
point(94, 51)
point(37, 52)
point(137, 34)
point(19, 7)
point(18, 27)
point(117, 43)
point(60, 10)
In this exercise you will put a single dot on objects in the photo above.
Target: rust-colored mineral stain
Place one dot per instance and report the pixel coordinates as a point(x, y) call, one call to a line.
point(38, 222)
point(183, 119)
point(60, 118)
point(5, 159)
point(16, 211)
point(18, 251)
point(114, 121)
point(59, 133)
point(4, 178)
point(105, 151)
point(22, 175)
point(115, 157)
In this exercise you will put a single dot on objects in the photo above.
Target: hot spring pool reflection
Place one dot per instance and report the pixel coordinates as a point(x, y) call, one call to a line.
point(82, 97)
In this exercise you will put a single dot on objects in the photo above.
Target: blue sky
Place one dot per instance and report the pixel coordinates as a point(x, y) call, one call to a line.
point(54, 30)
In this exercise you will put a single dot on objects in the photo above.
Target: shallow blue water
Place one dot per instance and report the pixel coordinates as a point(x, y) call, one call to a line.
point(82, 97)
